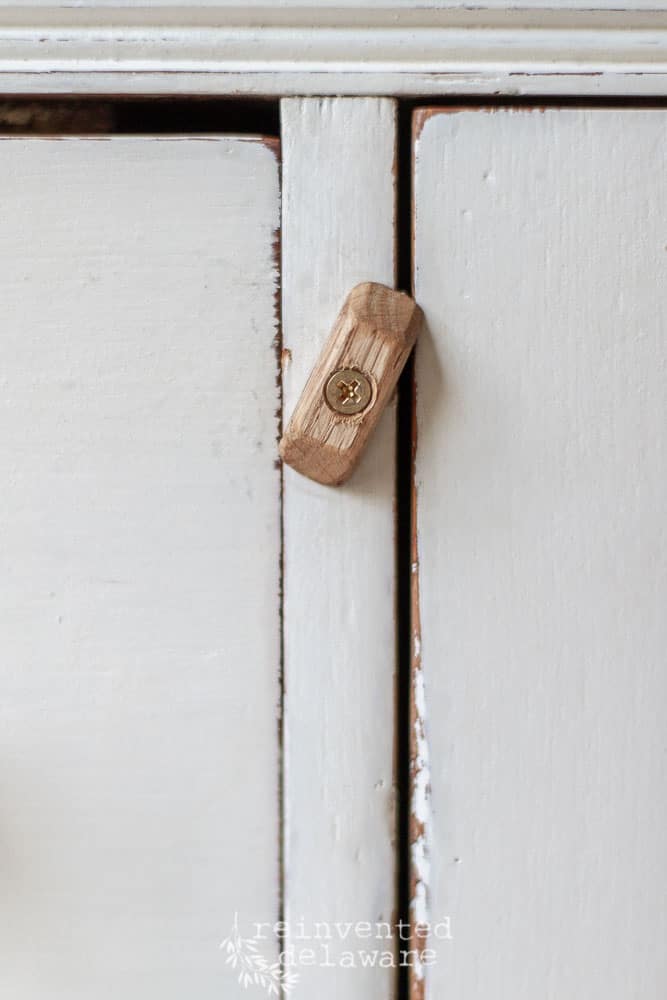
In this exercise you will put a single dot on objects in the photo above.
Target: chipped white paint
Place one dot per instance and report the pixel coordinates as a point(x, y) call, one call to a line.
point(422, 791)
point(395, 47)
point(420, 820)
point(140, 539)
point(339, 652)
point(542, 472)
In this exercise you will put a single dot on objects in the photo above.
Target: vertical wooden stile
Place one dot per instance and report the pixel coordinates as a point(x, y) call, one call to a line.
point(339, 561)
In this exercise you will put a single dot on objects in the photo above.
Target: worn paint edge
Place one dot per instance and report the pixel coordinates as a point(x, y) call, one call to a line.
point(297, 49)
point(273, 144)
point(420, 771)
point(640, 80)
point(419, 822)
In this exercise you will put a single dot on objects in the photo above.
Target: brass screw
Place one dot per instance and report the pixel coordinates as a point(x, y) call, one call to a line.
point(348, 391)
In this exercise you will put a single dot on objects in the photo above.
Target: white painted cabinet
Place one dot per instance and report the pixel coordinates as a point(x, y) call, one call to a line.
point(541, 489)
point(204, 692)
point(198, 709)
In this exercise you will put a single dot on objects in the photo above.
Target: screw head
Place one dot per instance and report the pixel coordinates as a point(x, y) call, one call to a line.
point(348, 391)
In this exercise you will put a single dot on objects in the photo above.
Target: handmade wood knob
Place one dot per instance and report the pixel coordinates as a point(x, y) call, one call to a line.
point(351, 383)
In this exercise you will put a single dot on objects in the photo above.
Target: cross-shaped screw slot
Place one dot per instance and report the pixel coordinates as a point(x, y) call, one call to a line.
point(348, 391)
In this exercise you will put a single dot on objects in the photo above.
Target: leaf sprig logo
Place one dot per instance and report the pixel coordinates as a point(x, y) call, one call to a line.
point(252, 968)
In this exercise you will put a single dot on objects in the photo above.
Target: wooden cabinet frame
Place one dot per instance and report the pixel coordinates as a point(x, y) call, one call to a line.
point(388, 50)
point(391, 48)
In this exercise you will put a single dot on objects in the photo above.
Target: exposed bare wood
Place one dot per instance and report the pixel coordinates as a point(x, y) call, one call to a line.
point(419, 820)
point(372, 337)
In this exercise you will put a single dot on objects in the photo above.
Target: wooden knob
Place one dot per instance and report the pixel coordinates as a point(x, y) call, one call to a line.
point(351, 383)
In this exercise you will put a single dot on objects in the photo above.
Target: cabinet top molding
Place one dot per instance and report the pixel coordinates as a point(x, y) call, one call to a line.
point(394, 48)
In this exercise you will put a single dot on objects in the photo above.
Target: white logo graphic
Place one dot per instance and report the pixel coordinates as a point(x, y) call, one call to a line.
point(252, 968)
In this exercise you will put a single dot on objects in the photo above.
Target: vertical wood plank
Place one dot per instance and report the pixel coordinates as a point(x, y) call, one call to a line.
point(542, 484)
point(140, 540)
point(339, 564)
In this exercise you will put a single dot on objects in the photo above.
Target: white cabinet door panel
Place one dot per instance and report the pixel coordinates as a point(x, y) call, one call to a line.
point(140, 556)
point(540, 242)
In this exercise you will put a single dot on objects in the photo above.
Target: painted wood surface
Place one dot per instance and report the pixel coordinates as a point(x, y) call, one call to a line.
point(339, 579)
point(362, 9)
point(338, 47)
point(542, 482)
point(140, 540)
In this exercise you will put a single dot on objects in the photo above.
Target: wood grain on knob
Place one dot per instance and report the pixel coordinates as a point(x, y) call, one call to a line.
point(351, 383)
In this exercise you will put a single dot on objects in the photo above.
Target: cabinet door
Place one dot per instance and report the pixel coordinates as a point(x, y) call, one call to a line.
point(541, 489)
point(140, 539)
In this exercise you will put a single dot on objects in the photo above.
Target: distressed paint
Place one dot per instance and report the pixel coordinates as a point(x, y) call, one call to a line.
point(339, 645)
point(540, 265)
point(420, 823)
point(140, 533)
point(344, 48)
